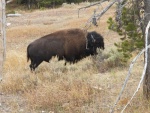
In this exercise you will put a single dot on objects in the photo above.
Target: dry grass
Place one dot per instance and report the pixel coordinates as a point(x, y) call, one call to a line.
point(91, 85)
point(61, 96)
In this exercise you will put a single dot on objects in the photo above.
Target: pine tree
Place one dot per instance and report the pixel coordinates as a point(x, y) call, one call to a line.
point(128, 28)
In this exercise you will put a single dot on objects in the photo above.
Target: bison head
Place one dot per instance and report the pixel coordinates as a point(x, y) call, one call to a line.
point(94, 41)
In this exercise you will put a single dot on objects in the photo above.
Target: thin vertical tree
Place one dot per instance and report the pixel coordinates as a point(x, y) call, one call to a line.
point(3, 36)
point(146, 83)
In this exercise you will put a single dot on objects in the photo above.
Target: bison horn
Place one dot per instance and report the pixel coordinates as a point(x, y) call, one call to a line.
point(93, 38)
point(87, 44)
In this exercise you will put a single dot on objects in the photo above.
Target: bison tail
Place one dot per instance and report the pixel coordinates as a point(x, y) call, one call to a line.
point(28, 56)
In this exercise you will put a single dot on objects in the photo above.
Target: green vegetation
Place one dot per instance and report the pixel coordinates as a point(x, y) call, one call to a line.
point(129, 30)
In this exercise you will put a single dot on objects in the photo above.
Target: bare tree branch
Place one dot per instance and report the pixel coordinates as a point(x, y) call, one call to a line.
point(91, 5)
point(104, 10)
point(145, 66)
point(129, 72)
point(13, 15)
point(88, 24)
point(7, 2)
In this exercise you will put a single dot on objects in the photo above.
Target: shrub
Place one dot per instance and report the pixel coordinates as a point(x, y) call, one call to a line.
point(111, 59)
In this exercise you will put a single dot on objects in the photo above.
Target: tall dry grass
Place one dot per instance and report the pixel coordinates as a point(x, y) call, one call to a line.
point(53, 86)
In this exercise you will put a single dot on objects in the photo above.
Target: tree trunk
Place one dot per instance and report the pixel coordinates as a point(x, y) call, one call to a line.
point(29, 4)
point(3, 37)
point(1, 42)
point(146, 83)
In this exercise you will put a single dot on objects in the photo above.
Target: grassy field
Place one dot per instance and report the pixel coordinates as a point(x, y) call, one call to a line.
point(90, 86)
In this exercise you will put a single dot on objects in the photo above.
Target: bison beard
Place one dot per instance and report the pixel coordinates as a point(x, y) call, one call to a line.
point(70, 45)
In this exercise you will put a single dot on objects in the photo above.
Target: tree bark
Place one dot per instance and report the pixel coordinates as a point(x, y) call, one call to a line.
point(1, 42)
point(3, 37)
point(29, 4)
point(146, 83)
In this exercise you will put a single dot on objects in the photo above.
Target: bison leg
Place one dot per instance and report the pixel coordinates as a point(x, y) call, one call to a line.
point(65, 63)
point(60, 58)
point(37, 63)
point(70, 60)
point(31, 67)
point(34, 64)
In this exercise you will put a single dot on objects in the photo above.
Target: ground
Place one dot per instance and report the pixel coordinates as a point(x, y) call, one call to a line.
point(85, 87)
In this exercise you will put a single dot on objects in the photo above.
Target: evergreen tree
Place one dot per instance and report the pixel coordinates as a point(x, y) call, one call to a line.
point(129, 29)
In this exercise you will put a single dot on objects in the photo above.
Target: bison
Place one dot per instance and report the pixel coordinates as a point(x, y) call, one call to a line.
point(70, 45)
